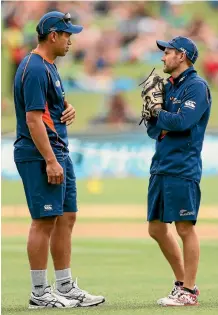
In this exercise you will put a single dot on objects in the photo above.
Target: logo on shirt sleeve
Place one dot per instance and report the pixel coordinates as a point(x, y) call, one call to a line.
point(190, 104)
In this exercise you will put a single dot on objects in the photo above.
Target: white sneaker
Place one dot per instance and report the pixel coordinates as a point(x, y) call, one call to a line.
point(181, 298)
point(174, 291)
point(84, 298)
point(177, 288)
point(50, 299)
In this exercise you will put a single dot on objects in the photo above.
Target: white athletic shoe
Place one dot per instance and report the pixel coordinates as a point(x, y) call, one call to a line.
point(50, 299)
point(181, 298)
point(84, 298)
point(177, 288)
point(174, 291)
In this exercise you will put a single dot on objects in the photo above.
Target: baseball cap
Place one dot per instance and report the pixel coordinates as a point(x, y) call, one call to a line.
point(55, 21)
point(183, 44)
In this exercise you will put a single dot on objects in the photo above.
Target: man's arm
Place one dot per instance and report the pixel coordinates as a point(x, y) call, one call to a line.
point(152, 130)
point(195, 103)
point(39, 135)
point(35, 86)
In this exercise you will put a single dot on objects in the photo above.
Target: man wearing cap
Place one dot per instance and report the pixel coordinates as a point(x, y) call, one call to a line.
point(174, 192)
point(42, 158)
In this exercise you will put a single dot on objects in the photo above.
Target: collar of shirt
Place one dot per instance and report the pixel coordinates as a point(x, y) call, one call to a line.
point(181, 78)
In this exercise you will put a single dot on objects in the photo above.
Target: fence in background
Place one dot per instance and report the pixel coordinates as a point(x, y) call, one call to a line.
point(117, 155)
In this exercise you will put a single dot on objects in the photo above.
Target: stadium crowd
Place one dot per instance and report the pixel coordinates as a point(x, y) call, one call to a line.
point(127, 34)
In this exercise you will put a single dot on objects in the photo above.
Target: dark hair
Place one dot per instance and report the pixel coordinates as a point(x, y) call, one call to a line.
point(44, 37)
point(41, 37)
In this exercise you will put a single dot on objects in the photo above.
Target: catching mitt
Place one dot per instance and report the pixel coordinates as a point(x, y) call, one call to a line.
point(152, 95)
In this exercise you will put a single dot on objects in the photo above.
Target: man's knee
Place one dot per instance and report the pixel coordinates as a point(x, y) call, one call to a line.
point(184, 228)
point(157, 229)
point(71, 218)
point(66, 221)
point(44, 225)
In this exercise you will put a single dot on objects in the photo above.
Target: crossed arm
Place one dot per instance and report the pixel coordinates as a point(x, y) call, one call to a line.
point(192, 108)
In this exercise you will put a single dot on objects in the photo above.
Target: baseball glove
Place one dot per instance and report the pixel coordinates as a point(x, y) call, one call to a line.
point(152, 95)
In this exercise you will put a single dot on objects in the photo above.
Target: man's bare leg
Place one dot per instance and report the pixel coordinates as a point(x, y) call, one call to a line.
point(191, 251)
point(61, 240)
point(61, 250)
point(61, 253)
point(37, 249)
point(169, 247)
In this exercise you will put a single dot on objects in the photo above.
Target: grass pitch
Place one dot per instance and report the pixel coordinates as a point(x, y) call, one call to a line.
point(131, 274)
point(112, 191)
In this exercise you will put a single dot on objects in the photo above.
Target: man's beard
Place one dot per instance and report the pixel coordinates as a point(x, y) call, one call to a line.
point(168, 70)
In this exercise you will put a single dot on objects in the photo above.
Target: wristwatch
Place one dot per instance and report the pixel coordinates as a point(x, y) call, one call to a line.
point(156, 111)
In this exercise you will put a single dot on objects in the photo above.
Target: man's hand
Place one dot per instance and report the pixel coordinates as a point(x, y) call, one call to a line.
point(68, 114)
point(55, 172)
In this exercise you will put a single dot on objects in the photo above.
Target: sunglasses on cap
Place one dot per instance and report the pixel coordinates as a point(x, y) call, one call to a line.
point(66, 19)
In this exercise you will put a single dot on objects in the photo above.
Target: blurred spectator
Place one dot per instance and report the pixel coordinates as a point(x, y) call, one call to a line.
point(128, 34)
point(5, 105)
point(96, 75)
point(144, 46)
point(87, 41)
point(210, 66)
point(115, 32)
point(200, 31)
point(13, 39)
point(102, 7)
point(131, 14)
point(213, 4)
point(115, 112)
point(173, 14)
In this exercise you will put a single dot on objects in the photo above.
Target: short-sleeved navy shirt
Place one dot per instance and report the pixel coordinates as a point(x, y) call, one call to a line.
point(37, 86)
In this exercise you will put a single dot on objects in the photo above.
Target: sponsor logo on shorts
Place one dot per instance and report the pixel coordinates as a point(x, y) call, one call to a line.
point(184, 213)
point(47, 207)
point(190, 104)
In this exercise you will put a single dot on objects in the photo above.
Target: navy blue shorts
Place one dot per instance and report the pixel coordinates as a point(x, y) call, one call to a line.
point(173, 199)
point(43, 199)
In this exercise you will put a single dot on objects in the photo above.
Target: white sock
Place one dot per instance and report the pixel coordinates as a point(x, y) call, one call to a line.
point(39, 281)
point(63, 280)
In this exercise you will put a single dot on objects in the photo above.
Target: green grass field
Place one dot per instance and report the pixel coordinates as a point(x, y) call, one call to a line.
point(130, 274)
point(114, 191)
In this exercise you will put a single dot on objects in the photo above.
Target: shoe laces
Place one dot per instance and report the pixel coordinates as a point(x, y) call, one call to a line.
point(77, 291)
point(176, 289)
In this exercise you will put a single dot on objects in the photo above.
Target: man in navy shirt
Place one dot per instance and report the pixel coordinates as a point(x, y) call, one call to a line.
point(41, 157)
point(174, 192)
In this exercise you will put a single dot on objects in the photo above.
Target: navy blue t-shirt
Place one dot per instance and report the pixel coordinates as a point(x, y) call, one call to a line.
point(37, 86)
